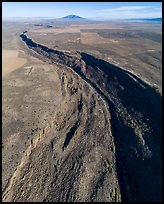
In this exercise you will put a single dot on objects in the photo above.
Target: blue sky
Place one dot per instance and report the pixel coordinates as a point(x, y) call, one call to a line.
point(92, 10)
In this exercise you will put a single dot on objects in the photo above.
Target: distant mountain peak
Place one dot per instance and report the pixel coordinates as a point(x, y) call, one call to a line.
point(72, 17)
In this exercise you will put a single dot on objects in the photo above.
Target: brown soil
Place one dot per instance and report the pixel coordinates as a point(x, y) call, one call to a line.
point(97, 143)
point(11, 61)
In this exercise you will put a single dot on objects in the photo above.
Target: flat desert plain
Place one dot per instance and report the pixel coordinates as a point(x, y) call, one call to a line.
point(11, 61)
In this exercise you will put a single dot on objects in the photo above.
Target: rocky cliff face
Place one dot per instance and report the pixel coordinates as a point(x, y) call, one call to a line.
point(103, 143)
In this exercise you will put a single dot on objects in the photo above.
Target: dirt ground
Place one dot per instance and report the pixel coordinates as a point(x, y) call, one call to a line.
point(135, 47)
point(75, 127)
point(11, 61)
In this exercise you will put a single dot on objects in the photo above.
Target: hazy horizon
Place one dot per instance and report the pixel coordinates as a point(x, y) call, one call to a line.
point(89, 10)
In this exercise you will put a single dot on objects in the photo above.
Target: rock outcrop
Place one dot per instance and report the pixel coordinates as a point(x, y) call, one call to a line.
point(104, 142)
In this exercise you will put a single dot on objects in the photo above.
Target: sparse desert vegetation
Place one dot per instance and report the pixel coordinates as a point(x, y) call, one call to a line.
point(81, 111)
